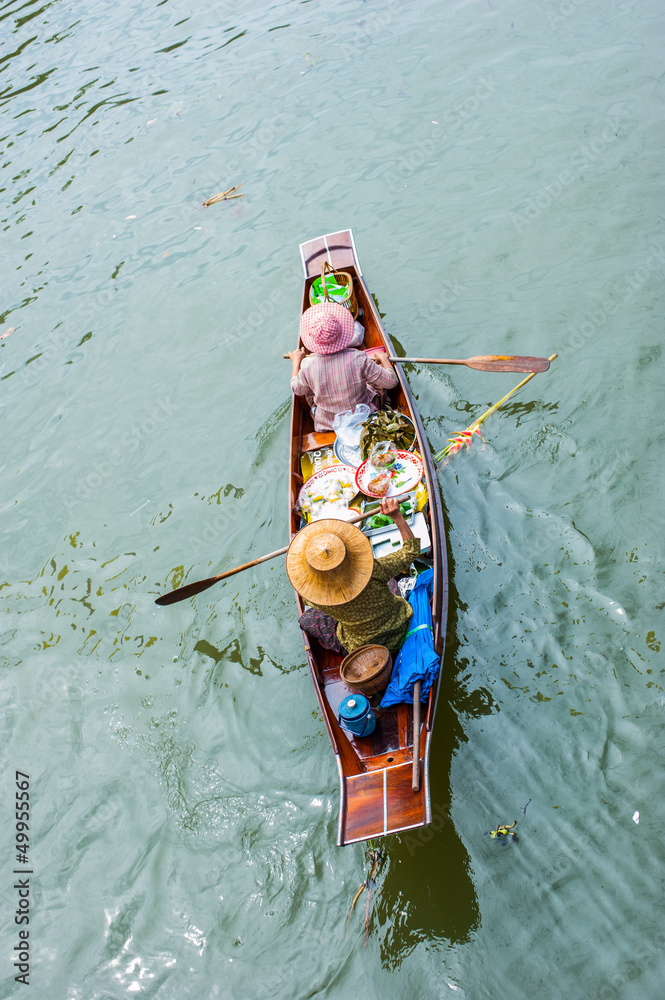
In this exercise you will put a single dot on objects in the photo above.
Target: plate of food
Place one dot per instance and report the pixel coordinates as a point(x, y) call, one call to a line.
point(390, 481)
point(334, 485)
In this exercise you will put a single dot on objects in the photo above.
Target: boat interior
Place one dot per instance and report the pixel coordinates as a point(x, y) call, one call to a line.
point(387, 753)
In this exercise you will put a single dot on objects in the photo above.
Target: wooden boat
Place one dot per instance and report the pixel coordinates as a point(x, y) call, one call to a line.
point(375, 772)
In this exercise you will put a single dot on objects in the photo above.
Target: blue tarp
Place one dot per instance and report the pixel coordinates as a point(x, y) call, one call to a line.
point(416, 659)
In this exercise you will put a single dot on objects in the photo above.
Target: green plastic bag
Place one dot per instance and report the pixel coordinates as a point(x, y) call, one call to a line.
point(336, 292)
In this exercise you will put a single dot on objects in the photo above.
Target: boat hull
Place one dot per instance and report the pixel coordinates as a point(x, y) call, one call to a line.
point(375, 772)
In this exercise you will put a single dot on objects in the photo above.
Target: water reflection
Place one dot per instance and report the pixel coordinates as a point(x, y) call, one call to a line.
point(426, 891)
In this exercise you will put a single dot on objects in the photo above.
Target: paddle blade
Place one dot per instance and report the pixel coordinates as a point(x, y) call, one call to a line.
point(507, 363)
point(189, 590)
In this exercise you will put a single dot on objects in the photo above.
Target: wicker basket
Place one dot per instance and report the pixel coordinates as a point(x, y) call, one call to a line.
point(367, 669)
point(318, 287)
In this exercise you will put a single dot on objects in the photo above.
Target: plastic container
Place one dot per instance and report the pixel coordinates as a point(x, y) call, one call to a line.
point(409, 501)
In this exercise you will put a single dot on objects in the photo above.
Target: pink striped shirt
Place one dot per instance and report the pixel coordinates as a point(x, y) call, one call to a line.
point(337, 382)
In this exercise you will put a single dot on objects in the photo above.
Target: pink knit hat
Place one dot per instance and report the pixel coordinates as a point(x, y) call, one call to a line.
point(326, 328)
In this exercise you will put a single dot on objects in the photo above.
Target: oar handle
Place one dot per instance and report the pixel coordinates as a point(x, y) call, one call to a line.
point(254, 562)
point(425, 361)
point(192, 589)
point(415, 778)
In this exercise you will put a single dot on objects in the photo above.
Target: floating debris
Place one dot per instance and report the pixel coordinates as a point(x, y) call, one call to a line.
point(376, 857)
point(224, 196)
point(503, 831)
point(8, 332)
point(636, 817)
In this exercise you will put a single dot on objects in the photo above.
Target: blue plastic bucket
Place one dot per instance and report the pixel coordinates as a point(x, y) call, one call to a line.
point(356, 715)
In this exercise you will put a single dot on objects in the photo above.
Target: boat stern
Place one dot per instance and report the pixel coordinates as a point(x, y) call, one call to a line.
point(380, 802)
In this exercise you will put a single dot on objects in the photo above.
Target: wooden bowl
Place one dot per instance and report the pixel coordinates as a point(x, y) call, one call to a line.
point(367, 669)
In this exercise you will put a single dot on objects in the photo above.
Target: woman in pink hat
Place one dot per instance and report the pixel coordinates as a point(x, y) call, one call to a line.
point(335, 376)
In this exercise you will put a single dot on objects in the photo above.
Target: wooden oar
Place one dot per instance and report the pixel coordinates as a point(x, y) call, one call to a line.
point(415, 780)
point(191, 589)
point(485, 362)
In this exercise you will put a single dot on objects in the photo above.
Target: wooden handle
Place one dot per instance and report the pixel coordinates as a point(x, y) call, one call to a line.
point(323, 279)
point(415, 781)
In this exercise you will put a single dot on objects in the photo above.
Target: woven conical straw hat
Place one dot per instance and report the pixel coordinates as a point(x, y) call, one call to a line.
point(329, 562)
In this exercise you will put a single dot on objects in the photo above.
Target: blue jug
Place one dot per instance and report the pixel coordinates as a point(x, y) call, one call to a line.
point(356, 715)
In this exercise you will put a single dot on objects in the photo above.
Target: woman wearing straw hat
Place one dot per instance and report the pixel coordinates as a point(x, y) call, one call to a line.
point(334, 377)
point(353, 596)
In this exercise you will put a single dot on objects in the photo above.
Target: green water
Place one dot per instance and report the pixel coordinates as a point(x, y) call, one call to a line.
point(500, 164)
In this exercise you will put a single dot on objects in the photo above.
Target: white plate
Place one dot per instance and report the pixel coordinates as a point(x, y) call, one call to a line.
point(312, 488)
point(405, 475)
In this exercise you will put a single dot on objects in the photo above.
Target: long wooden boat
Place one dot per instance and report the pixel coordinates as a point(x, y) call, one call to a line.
point(375, 772)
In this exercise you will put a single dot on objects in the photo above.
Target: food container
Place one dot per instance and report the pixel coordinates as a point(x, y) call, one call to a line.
point(408, 503)
point(382, 456)
point(347, 454)
point(356, 715)
point(315, 461)
point(389, 540)
point(367, 669)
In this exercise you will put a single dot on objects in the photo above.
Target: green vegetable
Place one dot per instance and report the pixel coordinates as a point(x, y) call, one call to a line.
point(386, 425)
point(383, 520)
point(379, 521)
